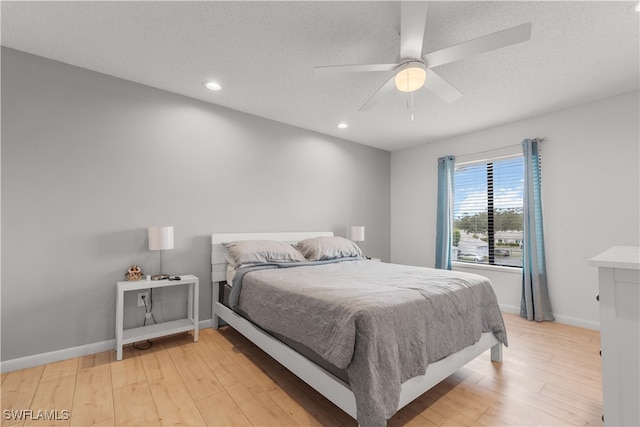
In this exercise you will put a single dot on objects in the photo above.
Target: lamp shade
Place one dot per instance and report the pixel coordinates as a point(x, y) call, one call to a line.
point(160, 238)
point(357, 233)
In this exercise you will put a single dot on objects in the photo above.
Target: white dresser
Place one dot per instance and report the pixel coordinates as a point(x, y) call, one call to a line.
point(619, 275)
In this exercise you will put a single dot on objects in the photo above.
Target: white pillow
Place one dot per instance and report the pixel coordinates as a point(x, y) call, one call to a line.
point(260, 251)
point(328, 247)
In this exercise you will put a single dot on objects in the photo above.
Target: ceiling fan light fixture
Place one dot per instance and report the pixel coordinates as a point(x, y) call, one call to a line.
point(410, 76)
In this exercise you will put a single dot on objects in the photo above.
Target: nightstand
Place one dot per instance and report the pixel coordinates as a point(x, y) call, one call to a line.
point(128, 336)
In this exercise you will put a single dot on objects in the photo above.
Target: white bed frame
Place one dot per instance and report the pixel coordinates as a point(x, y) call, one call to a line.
point(333, 388)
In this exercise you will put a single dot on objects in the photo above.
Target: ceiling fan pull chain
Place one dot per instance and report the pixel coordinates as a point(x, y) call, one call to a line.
point(410, 104)
point(411, 95)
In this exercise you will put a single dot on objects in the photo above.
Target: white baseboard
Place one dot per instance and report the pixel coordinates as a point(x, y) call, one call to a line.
point(567, 320)
point(573, 321)
point(68, 353)
point(56, 356)
point(510, 309)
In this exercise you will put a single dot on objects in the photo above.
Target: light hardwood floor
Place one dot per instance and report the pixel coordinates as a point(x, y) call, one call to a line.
point(551, 375)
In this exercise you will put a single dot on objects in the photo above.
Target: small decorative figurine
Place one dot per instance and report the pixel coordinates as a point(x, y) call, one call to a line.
point(134, 273)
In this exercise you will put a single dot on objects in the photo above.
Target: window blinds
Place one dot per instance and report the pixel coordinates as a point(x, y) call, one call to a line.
point(488, 212)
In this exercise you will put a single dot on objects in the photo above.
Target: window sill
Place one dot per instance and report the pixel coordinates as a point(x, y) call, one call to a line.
point(498, 268)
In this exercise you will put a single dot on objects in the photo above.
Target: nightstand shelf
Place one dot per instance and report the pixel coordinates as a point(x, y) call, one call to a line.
point(158, 330)
point(128, 336)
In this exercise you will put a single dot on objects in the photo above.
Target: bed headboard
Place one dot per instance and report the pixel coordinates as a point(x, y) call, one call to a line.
point(218, 252)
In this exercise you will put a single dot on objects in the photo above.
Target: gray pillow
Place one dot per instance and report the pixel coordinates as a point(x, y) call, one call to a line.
point(260, 251)
point(328, 247)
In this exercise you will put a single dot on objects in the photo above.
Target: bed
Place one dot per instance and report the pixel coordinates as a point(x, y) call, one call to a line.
point(357, 370)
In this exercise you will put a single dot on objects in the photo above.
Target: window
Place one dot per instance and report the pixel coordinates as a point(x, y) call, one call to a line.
point(487, 212)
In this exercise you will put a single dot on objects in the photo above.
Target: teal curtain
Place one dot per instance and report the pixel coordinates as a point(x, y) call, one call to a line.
point(444, 223)
point(535, 303)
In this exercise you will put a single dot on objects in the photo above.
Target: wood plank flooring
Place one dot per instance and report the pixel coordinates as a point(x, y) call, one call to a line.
point(551, 376)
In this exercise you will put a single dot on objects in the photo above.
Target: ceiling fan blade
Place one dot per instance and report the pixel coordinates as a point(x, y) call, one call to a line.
point(440, 87)
point(413, 18)
point(388, 87)
point(354, 68)
point(487, 43)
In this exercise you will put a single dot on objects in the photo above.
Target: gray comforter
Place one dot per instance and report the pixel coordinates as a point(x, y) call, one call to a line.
point(383, 323)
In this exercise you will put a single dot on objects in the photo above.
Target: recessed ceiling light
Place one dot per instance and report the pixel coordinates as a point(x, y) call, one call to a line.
point(212, 85)
point(343, 126)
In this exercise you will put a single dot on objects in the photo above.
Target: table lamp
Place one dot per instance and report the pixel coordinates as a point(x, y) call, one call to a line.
point(357, 233)
point(160, 239)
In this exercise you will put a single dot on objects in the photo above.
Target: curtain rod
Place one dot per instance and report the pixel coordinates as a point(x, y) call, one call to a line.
point(537, 139)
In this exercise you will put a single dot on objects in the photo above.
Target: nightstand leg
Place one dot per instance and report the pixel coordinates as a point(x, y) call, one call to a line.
point(119, 323)
point(196, 309)
point(190, 303)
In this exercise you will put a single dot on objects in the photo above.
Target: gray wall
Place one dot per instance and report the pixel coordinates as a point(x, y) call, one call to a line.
point(590, 192)
point(90, 161)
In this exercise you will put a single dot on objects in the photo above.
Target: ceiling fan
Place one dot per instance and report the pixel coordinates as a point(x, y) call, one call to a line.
point(414, 70)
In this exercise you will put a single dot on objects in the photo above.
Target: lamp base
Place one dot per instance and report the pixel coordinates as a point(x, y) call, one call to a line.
point(159, 277)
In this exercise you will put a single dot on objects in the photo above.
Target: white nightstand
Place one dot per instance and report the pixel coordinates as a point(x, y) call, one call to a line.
point(128, 336)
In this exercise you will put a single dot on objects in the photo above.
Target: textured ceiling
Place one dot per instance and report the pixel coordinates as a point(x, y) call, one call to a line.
point(263, 54)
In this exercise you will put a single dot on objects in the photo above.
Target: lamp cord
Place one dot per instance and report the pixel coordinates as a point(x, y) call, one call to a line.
point(147, 310)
